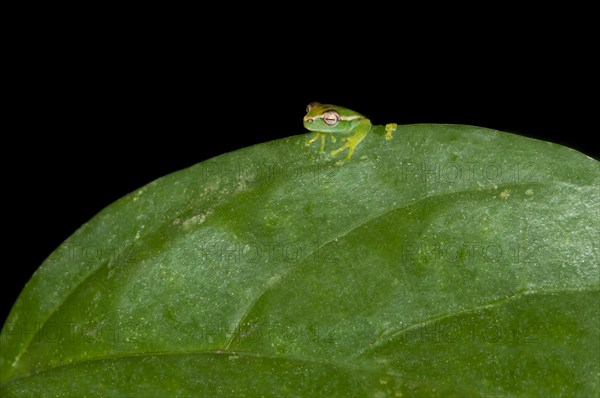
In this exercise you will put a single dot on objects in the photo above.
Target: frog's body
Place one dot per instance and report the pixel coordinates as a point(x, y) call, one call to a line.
point(339, 120)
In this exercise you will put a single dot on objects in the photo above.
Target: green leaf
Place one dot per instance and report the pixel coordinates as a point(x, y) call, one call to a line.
point(450, 261)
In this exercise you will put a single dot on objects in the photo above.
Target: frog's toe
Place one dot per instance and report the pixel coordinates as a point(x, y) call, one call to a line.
point(389, 130)
point(316, 137)
point(313, 139)
point(342, 148)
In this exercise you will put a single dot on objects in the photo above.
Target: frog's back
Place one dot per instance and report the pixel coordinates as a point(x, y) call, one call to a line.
point(344, 112)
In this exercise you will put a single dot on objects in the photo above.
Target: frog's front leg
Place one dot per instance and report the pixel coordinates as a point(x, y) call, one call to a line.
point(351, 142)
point(322, 137)
point(316, 137)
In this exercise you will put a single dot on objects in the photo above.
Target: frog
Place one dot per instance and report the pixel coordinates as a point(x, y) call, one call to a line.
point(329, 119)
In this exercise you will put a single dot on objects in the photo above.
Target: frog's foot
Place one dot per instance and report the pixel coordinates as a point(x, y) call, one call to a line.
point(389, 130)
point(316, 137)
point(351, 143)
point(322, 137)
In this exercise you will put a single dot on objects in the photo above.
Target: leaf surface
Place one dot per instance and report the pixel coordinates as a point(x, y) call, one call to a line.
point(450, 261)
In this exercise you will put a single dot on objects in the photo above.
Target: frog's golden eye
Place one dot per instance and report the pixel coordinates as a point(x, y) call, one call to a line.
point(331, 118)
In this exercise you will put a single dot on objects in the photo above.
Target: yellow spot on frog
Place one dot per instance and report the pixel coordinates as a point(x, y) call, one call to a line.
point(529, 192)
point(505, 194)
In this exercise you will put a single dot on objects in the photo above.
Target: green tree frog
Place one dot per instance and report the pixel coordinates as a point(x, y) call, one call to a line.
point(331, 119)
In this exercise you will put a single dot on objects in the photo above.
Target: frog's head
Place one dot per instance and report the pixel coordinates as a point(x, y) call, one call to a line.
point(330, 118)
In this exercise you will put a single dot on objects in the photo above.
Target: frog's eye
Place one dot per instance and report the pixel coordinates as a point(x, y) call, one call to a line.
point(331, 118)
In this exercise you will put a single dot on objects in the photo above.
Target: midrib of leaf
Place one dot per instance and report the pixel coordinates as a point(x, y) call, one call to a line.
point(224, 352)
point(348, 365)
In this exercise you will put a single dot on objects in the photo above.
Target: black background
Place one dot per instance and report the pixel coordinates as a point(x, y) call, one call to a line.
point(98, 119)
